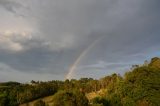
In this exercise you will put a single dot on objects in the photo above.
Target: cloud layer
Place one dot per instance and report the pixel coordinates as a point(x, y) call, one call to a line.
point(48, 36)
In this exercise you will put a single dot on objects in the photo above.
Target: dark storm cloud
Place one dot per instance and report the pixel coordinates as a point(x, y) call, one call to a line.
point(131, 30)
point(34, 54)
point(76, 22)
point(10, 5)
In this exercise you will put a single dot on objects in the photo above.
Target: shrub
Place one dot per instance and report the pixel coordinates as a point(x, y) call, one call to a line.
point(39, 103)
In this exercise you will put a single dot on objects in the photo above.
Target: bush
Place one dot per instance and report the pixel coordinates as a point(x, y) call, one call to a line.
point(100, 101)
point(39, 103)
point(67, 98)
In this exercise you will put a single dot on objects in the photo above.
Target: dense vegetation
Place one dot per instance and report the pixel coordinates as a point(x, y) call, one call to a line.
point(138, 87)
point(70, 98)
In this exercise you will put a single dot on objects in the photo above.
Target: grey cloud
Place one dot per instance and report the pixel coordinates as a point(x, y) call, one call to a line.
point(78, 21)
point(67, 28)
point(35, 55)
point(69, 22)
point(101, 65)
point(10, 5)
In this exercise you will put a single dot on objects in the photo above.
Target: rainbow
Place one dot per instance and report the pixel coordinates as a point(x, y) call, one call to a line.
point(80, 57)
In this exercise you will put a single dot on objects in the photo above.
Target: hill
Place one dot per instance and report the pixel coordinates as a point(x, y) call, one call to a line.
point(140, 86)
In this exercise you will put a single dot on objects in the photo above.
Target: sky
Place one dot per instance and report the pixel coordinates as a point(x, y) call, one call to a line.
point(46, 39)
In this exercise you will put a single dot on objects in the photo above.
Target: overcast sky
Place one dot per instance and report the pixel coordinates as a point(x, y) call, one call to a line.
point(42, 39)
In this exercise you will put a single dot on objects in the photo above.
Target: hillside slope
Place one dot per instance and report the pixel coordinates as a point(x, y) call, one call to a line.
point(48, 100)
point(140, 86)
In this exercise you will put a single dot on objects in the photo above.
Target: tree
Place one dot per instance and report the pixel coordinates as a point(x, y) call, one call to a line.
point(155, 62)
point(3, 100)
